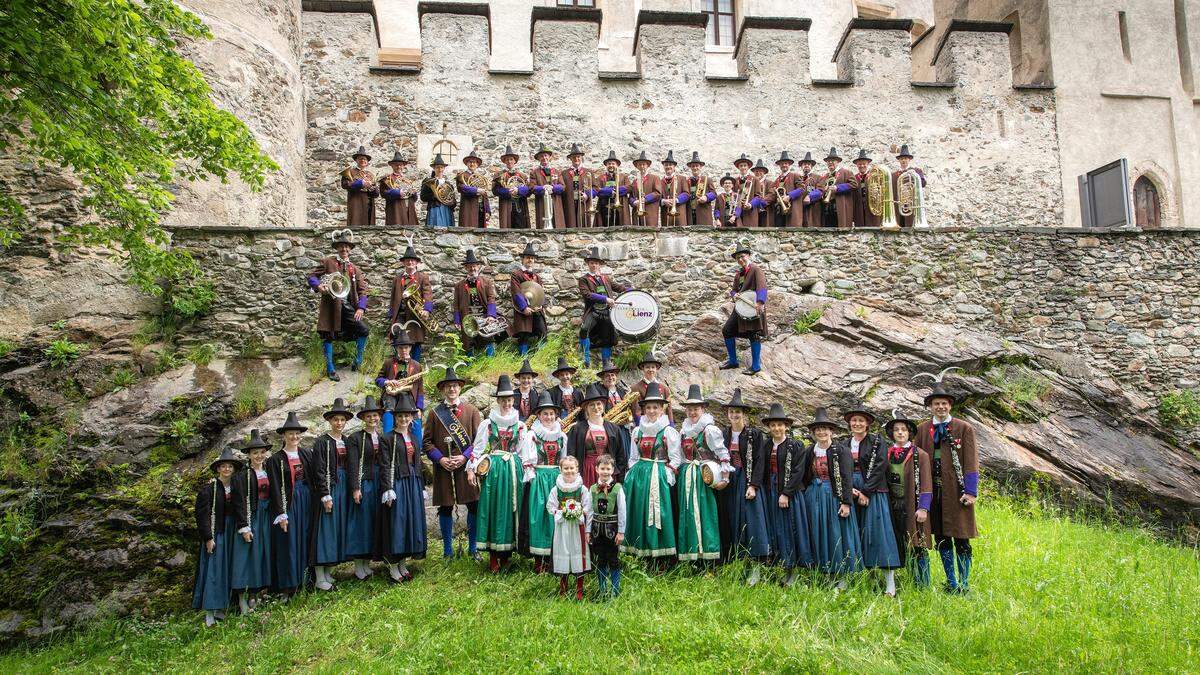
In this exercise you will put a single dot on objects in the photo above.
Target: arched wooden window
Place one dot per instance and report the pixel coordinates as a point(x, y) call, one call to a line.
point(1146, 204)
point(448, 149)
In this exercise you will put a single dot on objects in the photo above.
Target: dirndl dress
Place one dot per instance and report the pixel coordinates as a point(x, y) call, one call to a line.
point(744, 521)
point(499, 503)
point(787, 528)
point(835, 540)
point(698, 536)
point(879, 550)
point(290, 549)
point(212, 589)
point(252, 561)
point(360, 517)
point(650, 528)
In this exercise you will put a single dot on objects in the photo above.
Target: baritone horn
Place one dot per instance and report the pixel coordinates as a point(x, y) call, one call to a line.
point(910, 198)
point(338, 285)
point(879, 197)
point(416, 309)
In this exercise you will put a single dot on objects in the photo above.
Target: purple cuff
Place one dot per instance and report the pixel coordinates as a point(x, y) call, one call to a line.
point(682, 198)
point(458, 318)
point(843, 187)
point(520, 301)
point(491, 309)
point(380, 382)
point(470, 190)
point(557, 189)
point(394, 193)
point(436, 455)
point(362, 302)
point(796, 194)
point(737, 211)
point(357, 185)
point(757, 203)
point(597, 297)
point(522, 190)
point(814, 195)
point(503, 192)
point(924, 500)
point(971, 483)
point(539, 189)
point(429, 306)
point(761, 295)
point(650, 198)
point(467, 453)
point(712, 196)
point(605, 192)
point(313, 282)
point(421, 401)
point(622, 190)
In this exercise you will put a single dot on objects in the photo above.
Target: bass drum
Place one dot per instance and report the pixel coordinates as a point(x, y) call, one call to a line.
point(635, 316)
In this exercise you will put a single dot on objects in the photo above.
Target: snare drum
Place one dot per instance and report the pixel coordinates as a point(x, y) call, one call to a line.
point(745, 304)
point(635, 316)
point(712, 475)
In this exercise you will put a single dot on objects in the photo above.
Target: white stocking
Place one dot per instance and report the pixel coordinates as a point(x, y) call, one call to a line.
point(889, 578)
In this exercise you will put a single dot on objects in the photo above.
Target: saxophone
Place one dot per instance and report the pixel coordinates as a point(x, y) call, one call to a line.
point(622, 413)
point(565, 423)
point(393, 387)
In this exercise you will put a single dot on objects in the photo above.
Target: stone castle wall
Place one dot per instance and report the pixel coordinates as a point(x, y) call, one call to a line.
point(1125, 303)
point(989, 150)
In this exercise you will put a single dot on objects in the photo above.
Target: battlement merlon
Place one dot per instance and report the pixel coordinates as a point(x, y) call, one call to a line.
point(975, 52)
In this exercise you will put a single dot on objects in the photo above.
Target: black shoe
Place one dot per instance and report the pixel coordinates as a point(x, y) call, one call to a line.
point(730, 365)
point(751, 371)
point(354, 367)
point(476, 557)
point(334, 376)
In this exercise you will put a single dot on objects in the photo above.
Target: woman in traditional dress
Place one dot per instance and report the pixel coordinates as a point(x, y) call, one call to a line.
point(363, 509)
point(549, 446)
point(591, 436)
point(741, 512)
point(654, 457)
point(699, 535)
point(402, 528)
point(910, 481)
point(500, 441)
point(570, 504)
point(251, 504)
point(290, 477)
point(828, 495)
point(874, 512)
point(330, 455)
point(783, 499)
point(214, 519)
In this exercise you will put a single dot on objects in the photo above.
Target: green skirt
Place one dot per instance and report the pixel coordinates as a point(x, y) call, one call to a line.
point(650, 528)
point(541, 523)
point(500, 503)
point(699, 535)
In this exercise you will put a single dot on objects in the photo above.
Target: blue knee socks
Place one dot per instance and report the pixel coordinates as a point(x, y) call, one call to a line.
point(446, 523)
point(490, 350)
point(606, 352)
point(948, 565)
point(585, 346)
point(731, 349)
point(601, 578)
point(359, 345)
point(472, 522)
point(415, 352)
point(756, 355)
point(523, 348)
point(327, 347)
point(614, 579)
point(389, 421)
point(922, 575)
point(964, 571)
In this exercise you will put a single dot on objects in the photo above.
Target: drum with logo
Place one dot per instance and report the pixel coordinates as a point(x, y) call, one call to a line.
point(635, 316)
point(713, 476)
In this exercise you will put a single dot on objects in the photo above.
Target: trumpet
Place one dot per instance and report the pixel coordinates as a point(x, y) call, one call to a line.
point(590, 198)
point(641, 199)
point(830, 188)
point(622, 413)
point(785, 202)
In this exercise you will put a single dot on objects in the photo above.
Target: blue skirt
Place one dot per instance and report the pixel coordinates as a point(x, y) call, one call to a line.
point(835, 540)
point(212, 590)
point(406, 520)
point(879, 550)
point(788, 529)
point(331, 526)
point(252, 562)
point(360, 519)
point(747, 519)
point(290, 549)
point(440, 215)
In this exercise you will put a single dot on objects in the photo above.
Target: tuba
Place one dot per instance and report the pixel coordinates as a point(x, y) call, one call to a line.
point(338, 284)
point(910, 198)
point(879, 197)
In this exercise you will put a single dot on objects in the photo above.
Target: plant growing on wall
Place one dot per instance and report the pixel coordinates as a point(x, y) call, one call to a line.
point(99, 87)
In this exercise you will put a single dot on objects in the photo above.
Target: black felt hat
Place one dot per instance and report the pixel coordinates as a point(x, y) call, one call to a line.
point(776, 414)
point(695, 159)
point(574, 151)
point(940, 392)
point(437, 160)
point(651, 357)
point(760, 166)
point(833, 154)
point(410, 253)
point(594, 393)
point(736, 401)
point(508, 152)
point(741, 159)
point(612, 157)
point(449, 378)
point(291, 424)
point(642, 158)
point(256, 441)
point(729, 178)
point(808, 158)
point(904, 152)
point(653, 394)
point(545, 401)
point(859, 409)
point(503, 387)
point(607, 366)
point(695, 396)
point(227, 455)
point(472, 155)
point(899, 418)
point(526, 369)
point(529, 251)
point(398, 158)
point(338, 408)
point(542, 150)
point(862, 154)
point(563, 367)
point(361, 152)
point(742, 247)
point(370, 405)
point(822, 419)
point(670, 158)
point(400, 337)
point(405, 404)
point(470, 258)
point(592, 253)
point(783, 157)
point(344, 236)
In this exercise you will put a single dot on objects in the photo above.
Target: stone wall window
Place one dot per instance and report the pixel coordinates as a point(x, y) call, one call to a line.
point(1147, 208)
point(720, 21)
point(576, 3)
point(448, 149)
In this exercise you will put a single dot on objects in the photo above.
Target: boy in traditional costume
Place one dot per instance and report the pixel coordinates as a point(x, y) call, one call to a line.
point(608, 527)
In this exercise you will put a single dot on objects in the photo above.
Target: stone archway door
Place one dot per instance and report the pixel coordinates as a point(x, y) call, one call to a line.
point(1147, 208)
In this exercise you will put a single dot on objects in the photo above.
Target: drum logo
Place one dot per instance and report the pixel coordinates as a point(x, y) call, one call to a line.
point(635, 313)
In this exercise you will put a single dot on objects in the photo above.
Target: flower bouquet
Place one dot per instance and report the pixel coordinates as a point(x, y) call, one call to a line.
point(572, 510)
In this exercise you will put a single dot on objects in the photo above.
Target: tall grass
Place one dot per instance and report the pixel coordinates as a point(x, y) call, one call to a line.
point(1049, 593)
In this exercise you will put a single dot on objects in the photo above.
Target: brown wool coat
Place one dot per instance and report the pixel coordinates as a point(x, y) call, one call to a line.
point(795, 214)
point(391, 370)
point(758, 188)
point(916, 534)
point(844, 202)
point(606, 216)
point(650, 185)
point(725, 209)
point(673, 187)
point(862, 211)
point(329, 312)
point(520, 322)
point(507, 204)
point(905, 221)
point(813, 216)
point(449, 490)
point(957, 520)
point(587, 286)
point(360, 202)
point(547, 178)
point(751, 278)
point(400, 212)
point(399, 282)
point(471, 209)
point(699, 215)
point(575, 210)
point(640, 388)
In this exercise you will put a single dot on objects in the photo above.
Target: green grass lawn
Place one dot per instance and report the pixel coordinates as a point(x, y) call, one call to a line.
point(1049, 593)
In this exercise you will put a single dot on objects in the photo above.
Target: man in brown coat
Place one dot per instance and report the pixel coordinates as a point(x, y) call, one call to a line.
point(811, 182)
point(701, 193)
point(726, 206)
point(674, 194)
point(611, 193)
point(785, 210)
point(862, 208)
point(644, 192)
point(905, 158)
point(474, 208)
point(546, 211)
point(837, 188)
point(341, 309)
point(599, 292)
point(577, 183)
point(745, 187)
point(747, 317)
point(951, 446)
point(512, 189)
point(411, 281)
point(449, 431)
point(361, 191)
point(528, 323)
point(399, 194)
point(474, 296)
